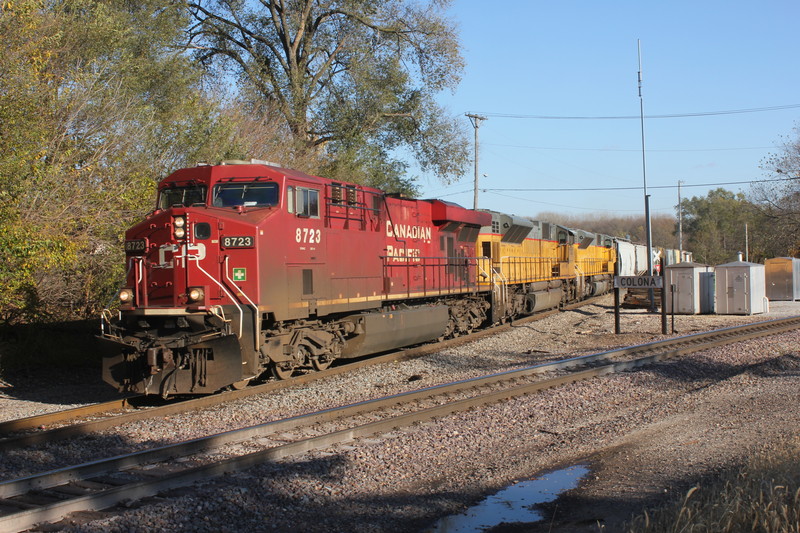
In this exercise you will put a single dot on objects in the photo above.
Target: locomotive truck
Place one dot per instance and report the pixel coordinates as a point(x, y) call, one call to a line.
point(247, 267)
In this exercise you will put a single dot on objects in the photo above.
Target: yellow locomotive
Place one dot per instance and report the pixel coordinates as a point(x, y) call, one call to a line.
point(531, 265)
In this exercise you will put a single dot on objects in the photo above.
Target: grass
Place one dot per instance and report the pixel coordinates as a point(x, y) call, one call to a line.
point(763, 496)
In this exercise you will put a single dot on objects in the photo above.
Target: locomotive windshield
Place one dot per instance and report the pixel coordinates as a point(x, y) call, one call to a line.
point(189, 195)
point(253, 194)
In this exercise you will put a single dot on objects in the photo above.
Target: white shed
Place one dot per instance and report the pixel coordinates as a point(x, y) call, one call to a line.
point(690, 288)
point(740, 289)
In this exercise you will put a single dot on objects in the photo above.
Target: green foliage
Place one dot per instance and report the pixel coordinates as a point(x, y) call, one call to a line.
point(97, 101)
point(25, 253)
point(352, 81)
point(715, 225)
point(778, 200)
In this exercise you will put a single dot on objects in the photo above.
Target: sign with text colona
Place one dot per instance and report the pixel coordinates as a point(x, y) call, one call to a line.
point(638, 282)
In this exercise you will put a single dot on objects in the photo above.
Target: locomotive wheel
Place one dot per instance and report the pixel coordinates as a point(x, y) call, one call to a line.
point(321, 365)
point(282, 370)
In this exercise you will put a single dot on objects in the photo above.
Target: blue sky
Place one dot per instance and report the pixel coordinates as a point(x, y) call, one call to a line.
point(579, 58)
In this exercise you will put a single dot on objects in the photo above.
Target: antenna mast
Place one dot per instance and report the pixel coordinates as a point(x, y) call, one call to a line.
point(644, 177)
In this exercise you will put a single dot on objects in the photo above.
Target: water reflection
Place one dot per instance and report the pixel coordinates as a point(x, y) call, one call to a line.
point(514, 503)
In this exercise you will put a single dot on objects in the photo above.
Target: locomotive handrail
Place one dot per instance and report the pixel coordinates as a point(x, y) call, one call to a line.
point(140, 280)
point(105, 320)
point(221, 286)
point(138, 261)
point(256, 314)
point(219, 312)
point(436, 268)
point(502, 286)
point(525, 262)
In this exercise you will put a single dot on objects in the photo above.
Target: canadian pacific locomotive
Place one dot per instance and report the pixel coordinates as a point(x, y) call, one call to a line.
point(248, 267)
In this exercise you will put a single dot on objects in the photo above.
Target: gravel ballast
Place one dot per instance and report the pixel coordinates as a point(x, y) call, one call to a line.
point(645, 435)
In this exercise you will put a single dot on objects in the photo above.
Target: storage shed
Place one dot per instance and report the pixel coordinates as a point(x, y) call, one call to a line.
point(783, 278)
point(690, 288)
point(740, 289)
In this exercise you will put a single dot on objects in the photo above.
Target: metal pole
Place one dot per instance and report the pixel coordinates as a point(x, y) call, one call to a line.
point(651, 292)
point(672, 292)
point(664, 303)
point(644, 178)
point(476, 123)
point(616, 298)
point(746, 245)
point(680, 222)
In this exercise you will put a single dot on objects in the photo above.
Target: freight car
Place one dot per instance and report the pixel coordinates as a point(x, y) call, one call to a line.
point(249, 267)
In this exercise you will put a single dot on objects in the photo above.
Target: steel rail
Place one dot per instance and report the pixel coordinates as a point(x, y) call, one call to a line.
point(36, 421)
point(108, 497)
point(11, 441)
point(83, 428)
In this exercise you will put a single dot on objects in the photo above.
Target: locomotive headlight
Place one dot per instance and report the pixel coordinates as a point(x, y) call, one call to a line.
point(126, 296)
point(195, 294)
point(179, 227)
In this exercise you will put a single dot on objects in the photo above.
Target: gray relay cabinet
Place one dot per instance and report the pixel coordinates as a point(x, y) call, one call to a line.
point(690, 288)
point(740, 289)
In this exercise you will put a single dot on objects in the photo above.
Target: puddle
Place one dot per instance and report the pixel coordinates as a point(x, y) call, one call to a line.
point(513, 504)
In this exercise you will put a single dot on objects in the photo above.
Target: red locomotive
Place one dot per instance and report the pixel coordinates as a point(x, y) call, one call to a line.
point(245, 267)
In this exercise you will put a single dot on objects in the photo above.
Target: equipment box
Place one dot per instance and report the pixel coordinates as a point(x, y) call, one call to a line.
point(740, 289)
point(690, 288)
point(783, 278)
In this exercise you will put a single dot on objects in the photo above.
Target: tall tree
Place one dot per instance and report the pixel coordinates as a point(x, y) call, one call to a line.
point(354, 80)
point(778, 199)
point(97, 100)
point(715, 225)
point(631, 227)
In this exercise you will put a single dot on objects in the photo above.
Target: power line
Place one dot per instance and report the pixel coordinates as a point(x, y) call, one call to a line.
point(593, 209)
point(637, 188)
point(637, 117)
point(629, 149)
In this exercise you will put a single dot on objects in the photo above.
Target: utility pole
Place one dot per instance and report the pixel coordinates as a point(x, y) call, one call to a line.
point(476, 123)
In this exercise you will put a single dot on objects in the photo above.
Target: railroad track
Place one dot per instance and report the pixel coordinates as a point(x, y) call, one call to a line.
point(100, 484)
point(71, 423)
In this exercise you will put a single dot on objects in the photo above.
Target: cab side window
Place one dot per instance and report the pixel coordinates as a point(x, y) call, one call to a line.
point(307, 202)
point(290, 199)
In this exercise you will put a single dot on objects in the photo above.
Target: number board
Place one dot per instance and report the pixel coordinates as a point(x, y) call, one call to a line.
point(135, 246)
point(247, 241)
